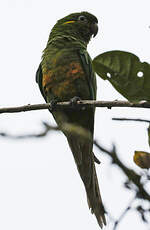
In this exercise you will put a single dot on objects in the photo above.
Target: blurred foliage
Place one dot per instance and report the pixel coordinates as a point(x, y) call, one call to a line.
point(134, 182)
point(148, 130)
point(142, 159)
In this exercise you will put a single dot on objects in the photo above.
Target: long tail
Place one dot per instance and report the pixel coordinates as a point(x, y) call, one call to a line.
point(84, 158)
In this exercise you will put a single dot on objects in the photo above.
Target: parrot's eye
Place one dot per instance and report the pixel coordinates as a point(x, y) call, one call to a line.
point(82, 18)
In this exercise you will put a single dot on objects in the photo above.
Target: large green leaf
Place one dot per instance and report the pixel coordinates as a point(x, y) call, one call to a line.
point(126, 73)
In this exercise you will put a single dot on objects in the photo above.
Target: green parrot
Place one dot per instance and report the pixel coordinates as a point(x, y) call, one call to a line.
point(65, 73)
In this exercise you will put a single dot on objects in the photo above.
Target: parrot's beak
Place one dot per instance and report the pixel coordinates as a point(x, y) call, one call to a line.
point(94, 28)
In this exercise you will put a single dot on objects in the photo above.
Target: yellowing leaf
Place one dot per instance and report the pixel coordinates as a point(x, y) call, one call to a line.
point(148, 130)
point(142, 159)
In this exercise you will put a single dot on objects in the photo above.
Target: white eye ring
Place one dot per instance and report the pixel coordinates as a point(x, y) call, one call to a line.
point(82, 18)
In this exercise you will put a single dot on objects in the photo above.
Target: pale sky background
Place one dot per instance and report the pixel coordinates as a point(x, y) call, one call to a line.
point(40, 188)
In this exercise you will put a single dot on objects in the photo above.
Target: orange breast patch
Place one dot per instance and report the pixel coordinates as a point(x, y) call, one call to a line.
point(61, 79)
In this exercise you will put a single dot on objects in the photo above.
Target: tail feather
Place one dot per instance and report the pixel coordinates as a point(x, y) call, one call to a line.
point(95, 201)
point(84, 158)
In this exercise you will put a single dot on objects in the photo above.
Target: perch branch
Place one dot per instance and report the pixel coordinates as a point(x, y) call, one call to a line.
point(83, 104)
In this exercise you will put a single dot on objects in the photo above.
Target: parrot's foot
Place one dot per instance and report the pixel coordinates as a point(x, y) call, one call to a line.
point(52, 105)
point(73, 102)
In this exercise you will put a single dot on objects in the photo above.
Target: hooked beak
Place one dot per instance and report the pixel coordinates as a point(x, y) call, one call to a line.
point(94, 28)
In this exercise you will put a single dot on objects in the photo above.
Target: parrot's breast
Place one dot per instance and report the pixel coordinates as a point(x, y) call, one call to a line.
point(64, 77)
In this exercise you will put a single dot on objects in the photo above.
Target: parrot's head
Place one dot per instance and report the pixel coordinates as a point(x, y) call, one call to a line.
point(78, 25)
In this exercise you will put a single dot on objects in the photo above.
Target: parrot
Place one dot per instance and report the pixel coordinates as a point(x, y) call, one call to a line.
point(66, 74)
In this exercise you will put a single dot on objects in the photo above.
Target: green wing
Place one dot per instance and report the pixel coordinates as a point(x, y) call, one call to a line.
point(90, 75)
point(39, 76)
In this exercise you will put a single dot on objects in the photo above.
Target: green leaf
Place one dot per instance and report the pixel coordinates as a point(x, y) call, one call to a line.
point(126, 73)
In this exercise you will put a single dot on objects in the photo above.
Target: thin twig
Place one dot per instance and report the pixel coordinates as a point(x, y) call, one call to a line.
point(85, 104)
point(123, 214)
point(131, 174)
point(130, 119)
point(46, 130)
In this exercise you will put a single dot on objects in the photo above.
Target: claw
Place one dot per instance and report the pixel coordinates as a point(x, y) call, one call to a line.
point(52, 105)
point(74, 100)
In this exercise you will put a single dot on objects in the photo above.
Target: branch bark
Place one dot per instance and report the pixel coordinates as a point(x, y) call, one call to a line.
point(82, 104)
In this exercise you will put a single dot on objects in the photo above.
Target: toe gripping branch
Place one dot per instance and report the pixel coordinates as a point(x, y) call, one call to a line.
point(52, 105)
point(74, 100)
point(74, 104)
